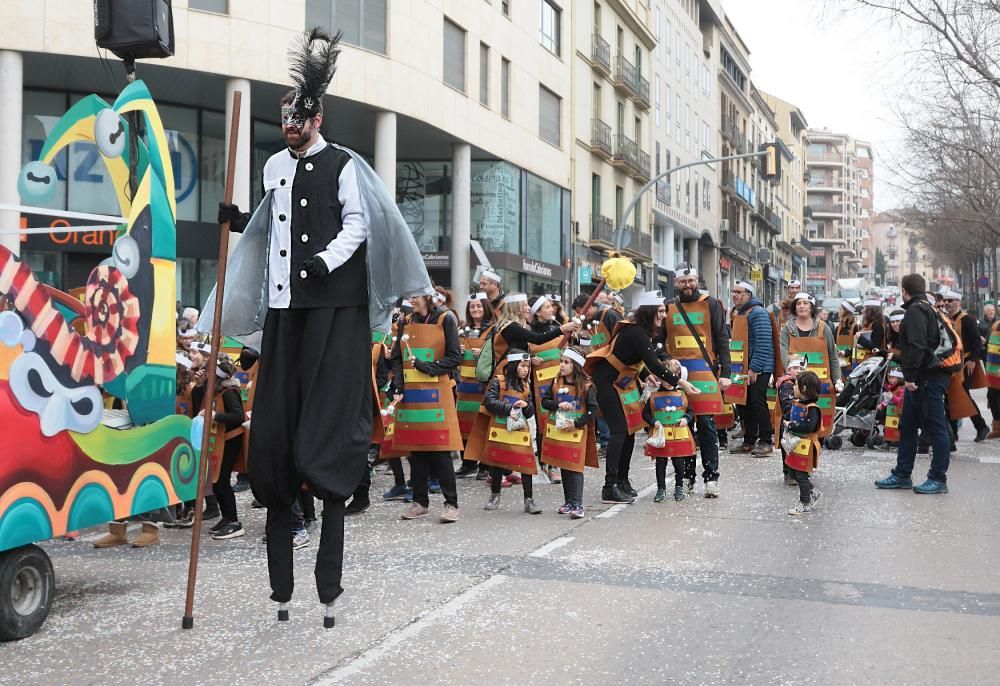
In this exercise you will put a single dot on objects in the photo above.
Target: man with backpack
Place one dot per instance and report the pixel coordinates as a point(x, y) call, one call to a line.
point(929, 354)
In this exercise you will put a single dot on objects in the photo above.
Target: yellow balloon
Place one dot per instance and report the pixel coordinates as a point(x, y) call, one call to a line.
point(618, 272)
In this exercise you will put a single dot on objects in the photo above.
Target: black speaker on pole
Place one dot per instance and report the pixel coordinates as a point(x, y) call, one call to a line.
point(135, 29)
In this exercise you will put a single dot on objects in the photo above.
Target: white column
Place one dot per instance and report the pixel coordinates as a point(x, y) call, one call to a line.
point(11, 95)
point(241, 175)
point(385, 149)
point(668, 255)
point(461, 222)
point(692, 251)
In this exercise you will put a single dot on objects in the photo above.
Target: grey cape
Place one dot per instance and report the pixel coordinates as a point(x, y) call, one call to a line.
point(395, 266)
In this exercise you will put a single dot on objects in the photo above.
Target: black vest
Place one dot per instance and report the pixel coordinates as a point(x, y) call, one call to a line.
point(319, 221)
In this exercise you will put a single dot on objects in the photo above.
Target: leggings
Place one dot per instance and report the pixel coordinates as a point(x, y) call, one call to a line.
point(222, 488)
point(621, 443)
point(684, 468)
point(572, 483)
point(496, 476)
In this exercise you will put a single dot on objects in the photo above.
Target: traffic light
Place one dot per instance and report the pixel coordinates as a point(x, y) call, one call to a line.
point(772, 162)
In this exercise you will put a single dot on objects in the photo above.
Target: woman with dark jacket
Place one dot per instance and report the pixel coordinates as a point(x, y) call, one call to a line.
point(616, 368)
point(515, 331)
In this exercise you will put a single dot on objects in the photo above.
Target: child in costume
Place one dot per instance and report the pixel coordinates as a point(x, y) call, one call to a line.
point(569, 440)
point(785, 386)
point(500, 437)
point(892, 396)
point(800, 442)
point(670, 439)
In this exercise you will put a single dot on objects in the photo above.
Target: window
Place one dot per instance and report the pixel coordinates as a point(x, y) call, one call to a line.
point(220, 6)
point(484, 74)
point(551, 27)
point(656, 100)
point(669, 107)
point(597, 19)
point(549, 115)
point(496, 206)
point(597, 101)
point(505, 87)
point(454, 55)
point(595, 195)
point(543, 219)
point(364, 22)
point(619, 204)
point(505, 7)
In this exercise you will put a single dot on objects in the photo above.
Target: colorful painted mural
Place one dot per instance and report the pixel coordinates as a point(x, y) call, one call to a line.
point(63, 360)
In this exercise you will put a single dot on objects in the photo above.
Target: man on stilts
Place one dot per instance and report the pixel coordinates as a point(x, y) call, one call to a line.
point(336, 253)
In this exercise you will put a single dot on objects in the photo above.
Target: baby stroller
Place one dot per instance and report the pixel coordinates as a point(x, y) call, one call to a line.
point(857, 405)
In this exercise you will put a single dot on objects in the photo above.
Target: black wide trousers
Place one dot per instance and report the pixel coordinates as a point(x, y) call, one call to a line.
point(312, 424)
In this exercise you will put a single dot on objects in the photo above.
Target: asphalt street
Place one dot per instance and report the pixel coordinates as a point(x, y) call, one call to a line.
point(873, 587)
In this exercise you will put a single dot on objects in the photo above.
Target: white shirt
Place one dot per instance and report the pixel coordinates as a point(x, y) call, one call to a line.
point(279, 176)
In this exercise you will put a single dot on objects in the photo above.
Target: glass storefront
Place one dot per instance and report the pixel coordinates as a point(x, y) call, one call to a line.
point(544, 220)
point(496, 206)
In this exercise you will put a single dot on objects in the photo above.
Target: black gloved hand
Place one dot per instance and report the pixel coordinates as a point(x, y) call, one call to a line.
point(231, 213)
point(315, 266)
point(421, 366)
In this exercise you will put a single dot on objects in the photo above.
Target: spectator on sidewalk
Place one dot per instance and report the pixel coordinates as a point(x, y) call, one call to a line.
point(926, 384)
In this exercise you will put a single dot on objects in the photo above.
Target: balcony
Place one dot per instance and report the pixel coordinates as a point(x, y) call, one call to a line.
point(600, 139)
point(737, 246)
point(628, 157)
point(628, 79)
point(737, 187)
point(732, 131)
point(663, 191)
point(600, 55)
point(640, 245)
point(768, 217)
point(826, 209)
point(825, 158)
point(602, 230)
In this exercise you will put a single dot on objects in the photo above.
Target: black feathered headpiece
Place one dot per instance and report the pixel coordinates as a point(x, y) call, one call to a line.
point(312, 63)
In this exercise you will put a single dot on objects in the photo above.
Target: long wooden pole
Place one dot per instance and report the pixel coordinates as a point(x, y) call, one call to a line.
point(586, 308)
point(207, 405)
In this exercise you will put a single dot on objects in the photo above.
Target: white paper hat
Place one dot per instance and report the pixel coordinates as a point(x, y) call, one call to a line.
point(745, 285)
point(491, 275)
point(518, 357)
point(872, 302)
point(896, 374)
point(685, 269)
point(805, 296)
point(539, 304)
point(479, 296)
point(951, 295)
point(648, 298)
point(575, 356)
point(515, 298)
point(896, 316)
point(795, 282)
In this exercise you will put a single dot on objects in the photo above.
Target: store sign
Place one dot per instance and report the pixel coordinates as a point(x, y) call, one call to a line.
point(529, 266)
point(725, 264)
point(586, 273)
point(756, 275)
point(65, 241)
point(819, 276)
point(817, 252)
point(437, 260)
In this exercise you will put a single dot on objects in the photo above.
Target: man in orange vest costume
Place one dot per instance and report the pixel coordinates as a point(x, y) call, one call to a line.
point(698, 338)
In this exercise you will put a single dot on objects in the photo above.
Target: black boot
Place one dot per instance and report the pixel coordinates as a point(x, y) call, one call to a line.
point(626, 487)
point(614, 495)
point(359, 503)
point(467, 468)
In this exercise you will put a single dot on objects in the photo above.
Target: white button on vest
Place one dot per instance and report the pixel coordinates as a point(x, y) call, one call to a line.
point(309, 166)
point(303, 202)
point(303, 273)
point(305, 238)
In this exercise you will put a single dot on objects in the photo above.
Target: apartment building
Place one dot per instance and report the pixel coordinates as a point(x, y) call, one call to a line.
point(462, 106)
point(685, 111)
point(899, 241)
point(734, 135)
point(792, 126)
point(613, 42)
point(839, 199)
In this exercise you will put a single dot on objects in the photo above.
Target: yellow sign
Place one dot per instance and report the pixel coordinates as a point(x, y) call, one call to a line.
point(757, 275)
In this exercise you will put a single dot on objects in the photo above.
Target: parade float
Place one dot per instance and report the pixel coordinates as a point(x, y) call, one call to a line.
point(88, 381)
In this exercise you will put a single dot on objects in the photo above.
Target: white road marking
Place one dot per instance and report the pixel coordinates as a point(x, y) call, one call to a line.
point(611, 511)
point(543, 551)
point(387, 646)
point(990, 460)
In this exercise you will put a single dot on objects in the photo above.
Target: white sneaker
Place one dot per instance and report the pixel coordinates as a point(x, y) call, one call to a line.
point(711, 489)
point(800, 509)
point(300, 539)
point(814, 498)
